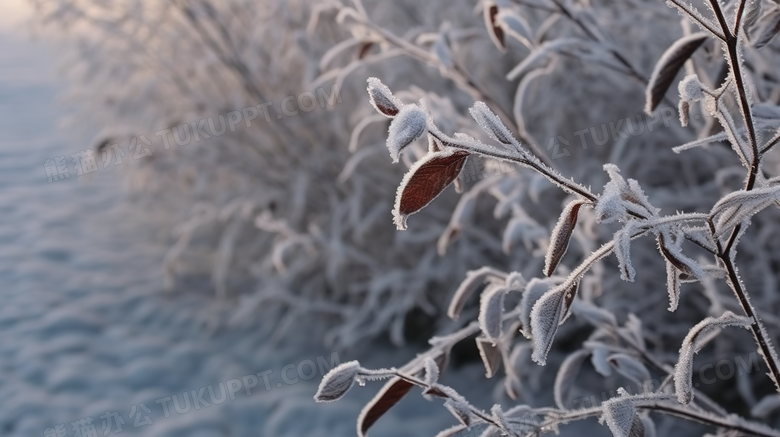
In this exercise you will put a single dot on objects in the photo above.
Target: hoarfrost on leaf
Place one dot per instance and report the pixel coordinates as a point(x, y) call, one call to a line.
point(407, 126)
point(337, 382)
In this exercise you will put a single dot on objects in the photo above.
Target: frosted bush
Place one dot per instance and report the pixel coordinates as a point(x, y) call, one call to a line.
point(697, 244)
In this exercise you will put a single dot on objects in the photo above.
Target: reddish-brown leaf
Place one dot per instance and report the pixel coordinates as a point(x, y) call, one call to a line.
point(559, 240)
point(667, 67)
point(672, 258)
point(365, 48)
point(495, 31)
point(491, 356)
point(391, 393)
point(425, 181)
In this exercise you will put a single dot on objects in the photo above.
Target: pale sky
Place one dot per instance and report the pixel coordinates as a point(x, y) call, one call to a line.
point(13, 13)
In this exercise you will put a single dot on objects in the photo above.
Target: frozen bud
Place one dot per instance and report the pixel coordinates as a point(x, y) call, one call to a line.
point(406, 127)
point(691, 89)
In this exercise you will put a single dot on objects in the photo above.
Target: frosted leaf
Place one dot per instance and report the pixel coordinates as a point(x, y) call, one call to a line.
point(769, 29)
point(392, 392)
point(491, 124)
point(609, 206)
point(561, 234)
point(683, 107)
point(649, 426)
point(620, 415)
point(474, 280)
point(691, 89)
point(441, 48)
point(721, 136)
point(533, 291)
point(693, 342)
point(548, 313)
point(451, 431)
point(492, 431)
point(557, 45)
point(633, 327)
point(623, 251)
point(766, 406)
point(599, 360)
point(520, 355)
point(491, 309)
point(741, 205)
point(460, 410)
point(634, 194)
point(596, 316)
point(382, 98)
point(629, 367)
point(672, 286)
point(672, 252)
point(516, 26)
point(431, 371)
point(495, 31)
point(336, 383)
point(424, 181)
point(515, 282)
point(407, 126)
point(567, 374)
point(667, 67)
point(490, 354)
point(500, 419)
point(750, 15)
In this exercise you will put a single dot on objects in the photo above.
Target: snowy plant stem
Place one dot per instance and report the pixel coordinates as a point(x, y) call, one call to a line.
point(457, 75)
point(545, 171)
point(631, 71)
point(731, 42)
point(746, 428)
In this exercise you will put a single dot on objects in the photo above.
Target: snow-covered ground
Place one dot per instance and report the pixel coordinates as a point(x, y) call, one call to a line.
point(90, 338)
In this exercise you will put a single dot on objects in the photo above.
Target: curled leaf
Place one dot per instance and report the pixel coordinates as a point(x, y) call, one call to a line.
point(695, 340)
point(533, 292)
point(431, 371)
point(336, 383)
point(490, 311)
point(490, 123)
point(407, 126)
point(548, 313)
point(561, 234)
point(382, 98)
point(567, 374)
point(629, 367)
point(596, 316)
point(620, 415)
point(391, 393)
point(494, 29)
point(490, 354)
point(427, 178)
point(474, 279)
point(673, 254)
point(769, 29)
point(667, 67)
